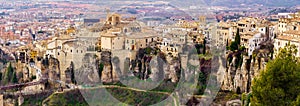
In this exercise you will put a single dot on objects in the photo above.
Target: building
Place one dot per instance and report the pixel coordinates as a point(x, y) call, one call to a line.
point(130, 35)
point(292, 37)
point(288, 32)
point(252, 41)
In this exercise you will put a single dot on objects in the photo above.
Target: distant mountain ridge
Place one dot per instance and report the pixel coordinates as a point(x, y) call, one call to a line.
point(187, 3)
point(283, 3)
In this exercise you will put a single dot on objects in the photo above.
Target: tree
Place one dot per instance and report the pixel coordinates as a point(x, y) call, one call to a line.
point(101, 66)
point(227, 42)
point(14, 78)
point(236, 43)
point(72, 73)
point(0, 76)
point(204, 46)
point(237, 38)
point(234, 46)
point(8, 74)
point(279, 84)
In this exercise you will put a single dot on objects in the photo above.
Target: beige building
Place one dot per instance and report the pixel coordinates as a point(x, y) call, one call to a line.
point(225, 31)
point(142, 39)
point(288, 31)
point(129, 35)
point(112, 40)
point(167, 46)
point(292, 37)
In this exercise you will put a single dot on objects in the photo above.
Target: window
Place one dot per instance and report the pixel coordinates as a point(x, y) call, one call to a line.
point(71, 50)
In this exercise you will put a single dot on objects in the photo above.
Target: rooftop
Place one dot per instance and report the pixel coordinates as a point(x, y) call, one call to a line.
point(288, 38)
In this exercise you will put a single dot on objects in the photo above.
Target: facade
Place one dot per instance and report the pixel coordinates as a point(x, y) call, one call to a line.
point(251, 41)
point(167, 46)
point(130, 35)
point(288, 32)
point(292, 37)
point(137, 40)
point(224, 33)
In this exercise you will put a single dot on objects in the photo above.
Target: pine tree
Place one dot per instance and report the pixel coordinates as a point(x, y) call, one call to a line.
point(279, 84)
point(14, 78)
point(8, 74)
point(204, 46)
point(1, 76)
point(72, 73)
point(237, 41)
point(237, 37)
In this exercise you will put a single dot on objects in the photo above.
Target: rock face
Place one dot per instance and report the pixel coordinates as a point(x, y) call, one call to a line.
point(50, 68)
point(108, 74)
point(144, 66)
point(87, 73)
point(239, 79)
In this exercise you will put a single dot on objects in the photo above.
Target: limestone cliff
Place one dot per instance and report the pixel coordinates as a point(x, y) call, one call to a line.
point(239, 78)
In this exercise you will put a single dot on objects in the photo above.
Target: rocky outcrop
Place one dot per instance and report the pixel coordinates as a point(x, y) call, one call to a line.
point(239, 79)
point(87, 73)
point(108, 74)
point(154, 66)
point(51, 69)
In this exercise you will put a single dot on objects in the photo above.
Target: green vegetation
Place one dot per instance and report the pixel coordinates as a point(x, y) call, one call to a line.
point(101, 66)
point(0, 76)
point(246, 99)
point(237, 49)
point(279, 84)
point(224, 96)
point(10, 75)
point(74, 98)
point(239, 60)
point(201, 86)
point(205, 56)
point(148, 50)
point(166, 86)
point(72, 73)
point(236, 43)
point(36, 99)
point(14, 78)
point(70, 98)
point(136, 97)
point(204, 46)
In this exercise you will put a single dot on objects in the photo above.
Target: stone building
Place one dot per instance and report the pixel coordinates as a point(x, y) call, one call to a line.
point(129, 35)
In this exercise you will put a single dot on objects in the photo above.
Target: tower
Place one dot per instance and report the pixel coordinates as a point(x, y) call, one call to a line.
point(202, 19)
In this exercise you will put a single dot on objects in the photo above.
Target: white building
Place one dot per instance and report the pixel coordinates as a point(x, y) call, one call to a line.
point(251, 41)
